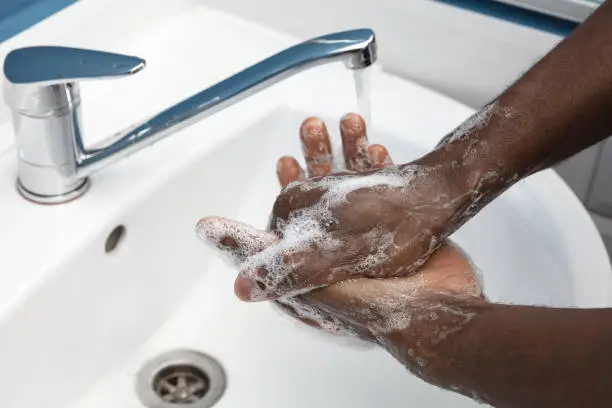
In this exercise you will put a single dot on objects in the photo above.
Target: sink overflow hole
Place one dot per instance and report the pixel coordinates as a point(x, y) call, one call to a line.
point(114, 238)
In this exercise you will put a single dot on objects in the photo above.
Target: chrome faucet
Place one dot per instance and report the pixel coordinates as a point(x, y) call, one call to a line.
point(41, 87)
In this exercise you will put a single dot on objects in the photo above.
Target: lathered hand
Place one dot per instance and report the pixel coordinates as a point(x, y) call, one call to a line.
point(375, 220)
point(390, 312)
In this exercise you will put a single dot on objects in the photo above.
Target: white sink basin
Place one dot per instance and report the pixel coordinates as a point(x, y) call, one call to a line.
point(77, 323)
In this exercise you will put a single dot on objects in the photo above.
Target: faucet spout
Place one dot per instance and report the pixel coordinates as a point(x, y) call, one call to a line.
point(356, 48)
point(53, 163)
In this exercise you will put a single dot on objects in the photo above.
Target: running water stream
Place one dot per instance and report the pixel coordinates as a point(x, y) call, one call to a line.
point(362, 79)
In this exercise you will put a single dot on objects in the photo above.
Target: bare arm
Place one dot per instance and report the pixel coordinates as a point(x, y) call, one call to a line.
point(561, 106)
point(517, 356)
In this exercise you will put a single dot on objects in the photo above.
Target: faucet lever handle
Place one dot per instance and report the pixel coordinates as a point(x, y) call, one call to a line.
point(48, 65)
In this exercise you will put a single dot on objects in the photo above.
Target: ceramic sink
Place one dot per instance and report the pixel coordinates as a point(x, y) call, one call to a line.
point(83, 307)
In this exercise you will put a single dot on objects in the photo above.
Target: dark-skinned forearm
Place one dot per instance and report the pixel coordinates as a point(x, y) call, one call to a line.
point(558, 108)
point(561, 106)
point(519, 356)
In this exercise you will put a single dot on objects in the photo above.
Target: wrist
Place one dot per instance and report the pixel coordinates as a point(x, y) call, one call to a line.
point(427, 347)
point(451, 183)
point(494, 147)
point(471, 164)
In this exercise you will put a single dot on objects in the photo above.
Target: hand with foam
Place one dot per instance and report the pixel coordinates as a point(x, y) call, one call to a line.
point(375, 220)
point(395, 313)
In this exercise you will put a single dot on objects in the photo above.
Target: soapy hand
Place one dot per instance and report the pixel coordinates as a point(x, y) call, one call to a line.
point(384, 311)
point(376, 220)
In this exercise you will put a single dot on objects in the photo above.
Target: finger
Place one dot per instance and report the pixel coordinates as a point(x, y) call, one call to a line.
point(311, 258)
point(349, 300)
point(288, 170)
point(281, 271)
point(316, 147)
point(323, 303)
point(301, 309)
point(287, 308)
point(234, 239)
point(355, 142)
point(305, 259)
point(379, 156)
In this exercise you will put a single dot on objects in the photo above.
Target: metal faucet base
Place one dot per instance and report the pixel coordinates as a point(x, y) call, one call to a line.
point(54, 199)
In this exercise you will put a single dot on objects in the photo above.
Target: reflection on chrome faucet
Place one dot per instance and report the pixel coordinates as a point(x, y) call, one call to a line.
point(41, 86)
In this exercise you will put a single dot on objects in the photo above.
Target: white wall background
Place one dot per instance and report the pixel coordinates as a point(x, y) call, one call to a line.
point(466, 55)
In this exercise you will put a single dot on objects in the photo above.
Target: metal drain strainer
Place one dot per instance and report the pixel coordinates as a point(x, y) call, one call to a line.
point(180, 378)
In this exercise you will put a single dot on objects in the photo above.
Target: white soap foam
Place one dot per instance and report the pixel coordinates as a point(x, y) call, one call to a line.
point(221, 232)
point(330, 327)
point(394, 306)
point(475, 122)
point(308, 229)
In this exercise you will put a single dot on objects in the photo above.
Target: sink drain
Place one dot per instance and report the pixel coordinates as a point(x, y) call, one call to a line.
point(180, 378)
point(181, 384)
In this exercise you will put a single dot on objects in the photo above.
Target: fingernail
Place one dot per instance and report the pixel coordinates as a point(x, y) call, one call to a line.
point(313, 128)
point(288, 170)
point(249, 290)
point(350, 116)
point(379, 155)
point(288, 164)
point(353, 122)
